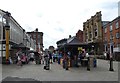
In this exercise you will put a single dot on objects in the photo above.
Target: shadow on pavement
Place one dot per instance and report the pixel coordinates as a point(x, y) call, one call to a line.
point(19, 80)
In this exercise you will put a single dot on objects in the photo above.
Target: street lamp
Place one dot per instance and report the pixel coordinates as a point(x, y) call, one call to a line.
point(7, 34)
point(111, 62)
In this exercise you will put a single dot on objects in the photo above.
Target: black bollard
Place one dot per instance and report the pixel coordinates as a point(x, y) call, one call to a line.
point(95, 62)
point(66, 65)
point(88, 64)
point(111, 64)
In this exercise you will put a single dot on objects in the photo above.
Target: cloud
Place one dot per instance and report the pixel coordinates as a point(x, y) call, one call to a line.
point(58, 19)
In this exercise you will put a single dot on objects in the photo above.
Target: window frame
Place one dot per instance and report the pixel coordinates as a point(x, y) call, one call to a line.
point(111, 27)
point(117, 25)
point(117, 35)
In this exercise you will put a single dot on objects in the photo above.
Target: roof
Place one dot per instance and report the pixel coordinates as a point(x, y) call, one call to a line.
point(74, 41)
point(21, 45)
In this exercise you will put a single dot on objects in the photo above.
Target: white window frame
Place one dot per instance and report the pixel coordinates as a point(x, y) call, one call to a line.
point(105, 30)
point(111, 28)
point(117, 25)
point(117, 35)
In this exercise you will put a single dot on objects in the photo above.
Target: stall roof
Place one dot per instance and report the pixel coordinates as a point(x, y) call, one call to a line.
point(74, 41)
point(21, 45)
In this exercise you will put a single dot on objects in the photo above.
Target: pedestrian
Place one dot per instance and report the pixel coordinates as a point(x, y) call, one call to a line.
point(50, 57)
point(47, 62)
point(11, 62)
point(32, 57)
point(66, 61)
point(43, 59)
point(105, 55)
point(76, 60)
point(19, 63)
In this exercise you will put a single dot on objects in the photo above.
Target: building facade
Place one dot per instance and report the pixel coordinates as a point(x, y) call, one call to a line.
point(79, 35)
point(17, 34)
point(38, 37)
point(92, 33)
point(111, 36)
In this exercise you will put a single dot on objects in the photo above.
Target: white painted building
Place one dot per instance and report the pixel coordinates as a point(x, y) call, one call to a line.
point(17, 34)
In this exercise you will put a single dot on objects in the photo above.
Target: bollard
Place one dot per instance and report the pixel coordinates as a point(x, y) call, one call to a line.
point(66, 65)
point(111, 65)
point(88, 65)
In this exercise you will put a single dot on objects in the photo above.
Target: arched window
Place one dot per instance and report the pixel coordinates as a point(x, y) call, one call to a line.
point(95, 30)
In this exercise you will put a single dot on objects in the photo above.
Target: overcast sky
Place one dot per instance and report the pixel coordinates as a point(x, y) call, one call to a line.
point(58, 19)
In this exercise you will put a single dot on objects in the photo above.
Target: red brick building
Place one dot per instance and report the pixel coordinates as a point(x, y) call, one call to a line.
point(38, 37)
point(79, 35)
point(111, 36)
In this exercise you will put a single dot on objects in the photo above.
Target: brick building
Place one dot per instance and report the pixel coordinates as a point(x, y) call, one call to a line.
point(38, 37)
point(111, 36)
point(79, 35)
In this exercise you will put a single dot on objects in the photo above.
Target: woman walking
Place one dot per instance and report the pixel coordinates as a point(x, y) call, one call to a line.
point(19, 63)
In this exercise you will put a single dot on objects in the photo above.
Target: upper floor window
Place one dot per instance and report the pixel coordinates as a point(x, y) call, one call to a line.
point(117, 25)
point(111, 37)
point(105, 38)
point(90, 34)
point(111, 28)
point(95, 32)
point(117, 35)
point(4, 20)
point(105, 30)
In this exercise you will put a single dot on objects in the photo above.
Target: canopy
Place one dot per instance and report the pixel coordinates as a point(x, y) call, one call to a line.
point(21, 45)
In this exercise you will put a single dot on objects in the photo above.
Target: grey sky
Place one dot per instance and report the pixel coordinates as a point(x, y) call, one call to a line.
point(58, 19)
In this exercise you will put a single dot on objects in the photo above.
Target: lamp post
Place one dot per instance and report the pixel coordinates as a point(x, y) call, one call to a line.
point(7, 35)
point(111, 60)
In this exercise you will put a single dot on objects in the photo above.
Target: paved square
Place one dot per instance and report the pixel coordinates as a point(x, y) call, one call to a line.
point(57, 73)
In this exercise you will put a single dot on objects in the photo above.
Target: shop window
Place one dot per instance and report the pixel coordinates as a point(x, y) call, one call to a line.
point(118, 45)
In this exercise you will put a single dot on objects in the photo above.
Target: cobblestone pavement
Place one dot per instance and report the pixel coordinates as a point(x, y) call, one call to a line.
point(57, 73)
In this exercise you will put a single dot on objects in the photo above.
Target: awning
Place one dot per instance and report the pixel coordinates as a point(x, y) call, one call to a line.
point(21, 45)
